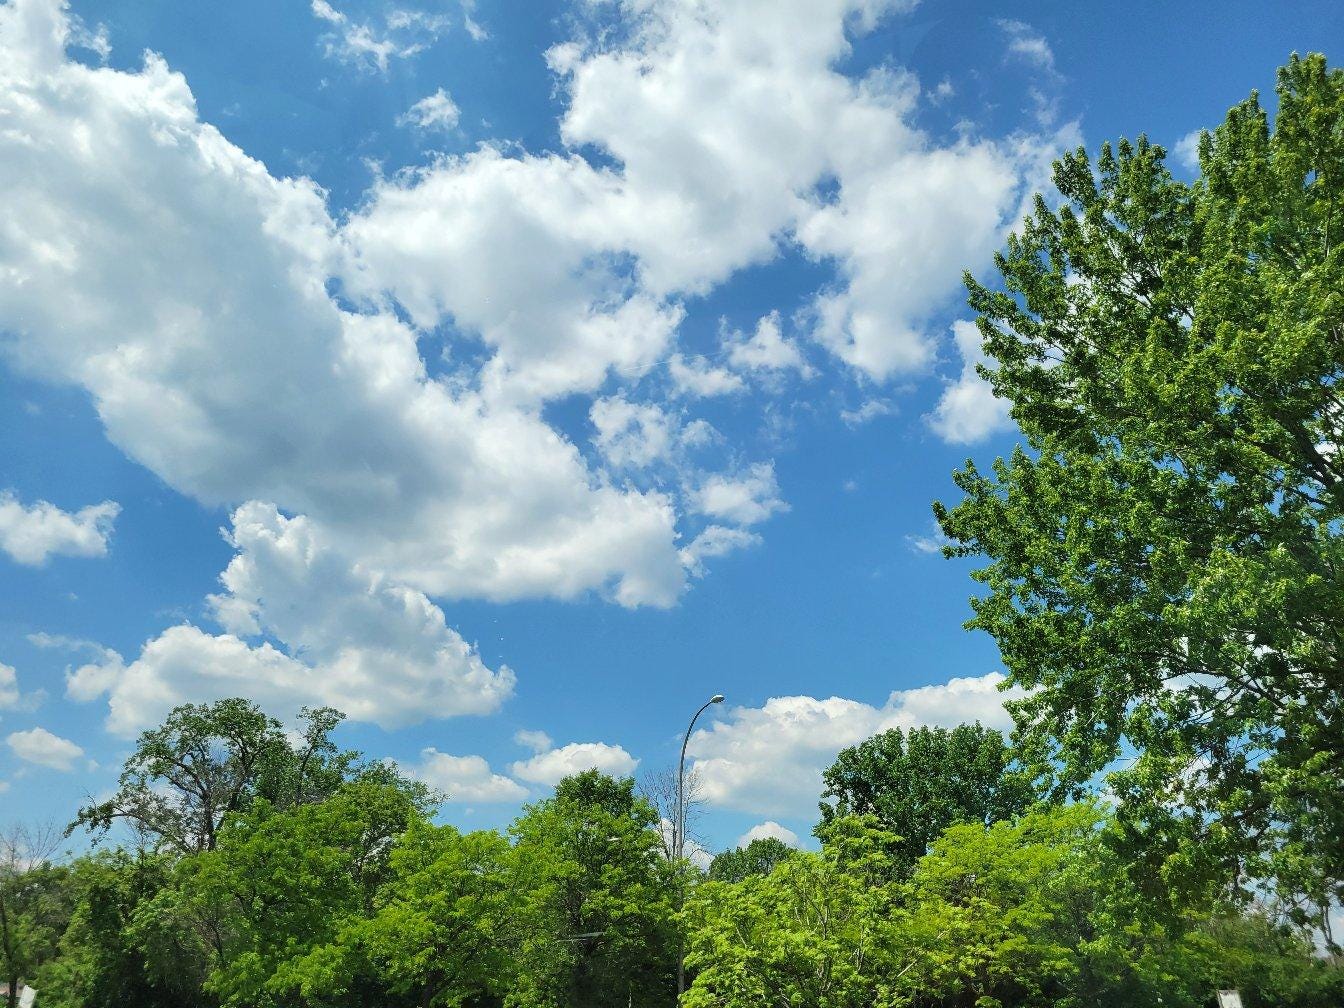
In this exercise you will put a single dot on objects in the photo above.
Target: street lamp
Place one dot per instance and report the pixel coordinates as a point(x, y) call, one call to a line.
point(679, 830)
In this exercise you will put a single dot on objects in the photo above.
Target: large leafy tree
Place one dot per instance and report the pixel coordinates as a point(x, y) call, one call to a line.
point(207, 761)
point(35, 904)
point(810, 932)
point(445, 920)
point(114, 951)
point(917, 785)
point(757, 858)
point(282, 883)
point(598, 899)
point(1165, 553)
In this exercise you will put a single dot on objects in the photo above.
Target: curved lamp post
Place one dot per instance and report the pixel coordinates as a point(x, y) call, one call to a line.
point(679, 827)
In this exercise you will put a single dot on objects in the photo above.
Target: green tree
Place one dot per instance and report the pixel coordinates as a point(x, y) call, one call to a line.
point(918, 785)
point(207, 761)
point(281, 883)
point(445, 919)
point(1043, 910)
point(35, 904)
point(757, 858)
point(109, 955)
point(1002, 913)
point(598, 900)
point(816, 930)
point(1165, 554)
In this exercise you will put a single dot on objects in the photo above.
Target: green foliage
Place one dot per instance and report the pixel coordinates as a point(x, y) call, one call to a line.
point(290, 880)
point(1164, 556)
point(207, 761)
point(35, 904)
point(598, 900)
point(917, 786)
point(353, 899)
point(1035, 911)
point(1007, 914)
point(757, 858)
point(105, 960)
point(445, 919)
point(808, 933)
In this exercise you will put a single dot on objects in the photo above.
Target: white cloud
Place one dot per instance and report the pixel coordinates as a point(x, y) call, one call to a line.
point(537, 741)
point(39, 746)
point(403, 34)
point(375, 649)
point(554, 765)
point(715, 541)
point(696, 377)
point(464, 778)
point(95, 40)
point(767, 349)
point(768, 760)
point(746, 499)
point(474, 28)
point(32, 534)
point(931, 544)
point(542, 276)
point(968, 410)
point(720, 154)
point(870, 410)
point(433, 112)
point(524, 251)
point(243, 380)
point(9, 687)
point(769, 828)
point(1187, 150)
point(1028, 44)
point(630, 435)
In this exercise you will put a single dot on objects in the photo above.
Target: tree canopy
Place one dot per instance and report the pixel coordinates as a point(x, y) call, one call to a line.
point(1164, 553)
point(918, 784)
point(759, 857)
point(351, 896)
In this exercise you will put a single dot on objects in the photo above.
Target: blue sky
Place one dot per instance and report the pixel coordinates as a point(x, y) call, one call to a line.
point(513, 376)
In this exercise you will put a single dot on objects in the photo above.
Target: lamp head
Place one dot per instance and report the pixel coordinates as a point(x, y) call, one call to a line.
point(716, 698)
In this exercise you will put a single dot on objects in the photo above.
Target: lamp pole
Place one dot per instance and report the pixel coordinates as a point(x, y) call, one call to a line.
point(679, 835)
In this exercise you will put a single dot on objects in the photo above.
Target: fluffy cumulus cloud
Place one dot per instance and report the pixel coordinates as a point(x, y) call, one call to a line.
point(433, 112)
point(536, 740)
point(726, 133)
point(725, 118)
point(769, 829)
point(9, 687)
point(1186, 150)
point(375, 649)
point(1029, 45)
point(630, 435)
point(968, 411)
point(715, 541)
point(41, 747)
point(696, 376)
point(746, 498)
point(244, 380)
point(464, 778)
point(767, 349)
point(768, 760)
point(553, 765)
point(31, 534)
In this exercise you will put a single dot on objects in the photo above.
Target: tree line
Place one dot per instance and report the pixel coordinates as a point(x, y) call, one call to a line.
point(1161, 563)
point(274, 870)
